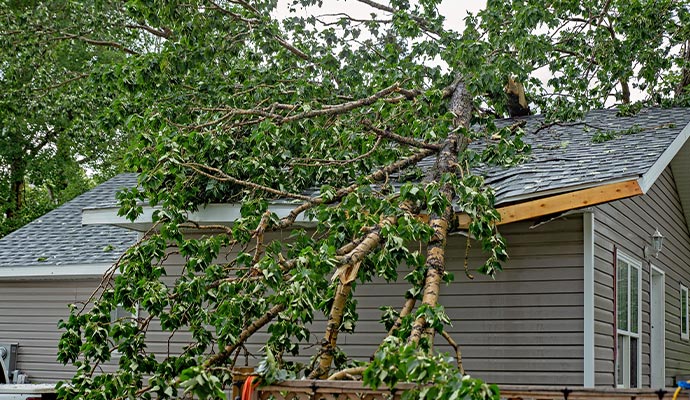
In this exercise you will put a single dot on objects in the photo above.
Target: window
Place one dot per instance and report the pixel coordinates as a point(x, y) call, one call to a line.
point(628, 287)
point(120, 313)
point(684, 313)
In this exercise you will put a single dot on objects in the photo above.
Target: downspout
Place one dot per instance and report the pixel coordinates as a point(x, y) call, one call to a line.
point(589, 365)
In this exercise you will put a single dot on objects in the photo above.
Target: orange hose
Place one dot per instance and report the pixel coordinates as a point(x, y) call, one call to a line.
point(248, 387)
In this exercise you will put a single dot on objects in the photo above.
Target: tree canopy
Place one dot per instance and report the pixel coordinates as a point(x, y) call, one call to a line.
point(54, 109)
point(332, 114)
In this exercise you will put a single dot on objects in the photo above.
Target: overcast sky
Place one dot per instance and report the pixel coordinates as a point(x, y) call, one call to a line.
point(454, 10)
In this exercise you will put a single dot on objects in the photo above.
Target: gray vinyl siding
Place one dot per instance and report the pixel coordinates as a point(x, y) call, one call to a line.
point(626, 226)
point(516, 329)
point(29, 314)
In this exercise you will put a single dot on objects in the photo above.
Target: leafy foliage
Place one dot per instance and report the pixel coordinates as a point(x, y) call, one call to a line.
point(54, 109)
point(361, 129)
point(435, 377)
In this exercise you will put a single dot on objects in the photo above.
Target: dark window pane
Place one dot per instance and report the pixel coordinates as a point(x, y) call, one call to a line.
point(633, 362)
point(634, 300)
point(619, 361)
point(622, 295)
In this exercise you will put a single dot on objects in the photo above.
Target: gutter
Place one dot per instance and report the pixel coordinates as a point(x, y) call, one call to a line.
point(52, 272)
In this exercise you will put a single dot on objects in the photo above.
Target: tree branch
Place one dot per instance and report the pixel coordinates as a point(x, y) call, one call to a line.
point(424, 24)
point(344, 107)
point(400, 139)
point(315, 162)
point(447, 161)
point(164, 32)
point(404, 312)
point(347, 274)
point(347, 373)
point(95, 42)
point(259, 323)
point(63, 83)
point(223, 177)
point(458, 353)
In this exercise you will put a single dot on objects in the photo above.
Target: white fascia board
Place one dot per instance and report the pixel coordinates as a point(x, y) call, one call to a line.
point(589, 365)
point(27, 389)
point(221, 214)
point(648, 178)
point(42, 272)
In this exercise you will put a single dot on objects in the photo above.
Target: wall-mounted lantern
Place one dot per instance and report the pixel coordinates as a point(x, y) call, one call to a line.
point(657, 244)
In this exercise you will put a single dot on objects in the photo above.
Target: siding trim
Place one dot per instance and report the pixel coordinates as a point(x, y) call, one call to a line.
point(589, 369)
point(648, 178)
point(78, 271)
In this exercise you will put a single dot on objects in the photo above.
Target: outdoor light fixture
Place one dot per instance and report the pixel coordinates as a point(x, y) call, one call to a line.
point(657, 244)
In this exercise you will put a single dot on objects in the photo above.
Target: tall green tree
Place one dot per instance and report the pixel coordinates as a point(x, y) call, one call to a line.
point(230, 104)
point(53, 104)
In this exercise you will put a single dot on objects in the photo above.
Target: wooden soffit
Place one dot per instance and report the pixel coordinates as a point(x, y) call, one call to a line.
point(562, 202)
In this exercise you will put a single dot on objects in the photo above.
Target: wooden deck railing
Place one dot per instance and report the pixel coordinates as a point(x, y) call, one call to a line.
point(348, 390)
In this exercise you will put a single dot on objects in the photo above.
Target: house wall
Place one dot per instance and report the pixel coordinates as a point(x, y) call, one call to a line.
point(626, 226)
point(528, 322)
point(516, 329)
point(29, 314)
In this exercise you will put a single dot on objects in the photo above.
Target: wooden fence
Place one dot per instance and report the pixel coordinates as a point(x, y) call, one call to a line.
point(349, 390)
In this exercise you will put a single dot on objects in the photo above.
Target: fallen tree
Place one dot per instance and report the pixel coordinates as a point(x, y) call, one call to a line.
point(349, 122)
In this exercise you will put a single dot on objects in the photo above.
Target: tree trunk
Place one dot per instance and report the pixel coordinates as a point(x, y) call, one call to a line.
point(435, 265)
point(335, 318)
point(685, 72)
point(17, 180)
point(447, 162)
point(347, 274)
point(625, 91)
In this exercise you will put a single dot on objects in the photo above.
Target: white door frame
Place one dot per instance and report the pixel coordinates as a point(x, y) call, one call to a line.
point(657, 334)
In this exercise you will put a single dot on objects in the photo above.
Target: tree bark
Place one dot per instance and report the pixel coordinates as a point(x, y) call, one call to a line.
point(404, 312)
point(447, 162)
point(681, 88)
point(244, 335)
point(347, 274)
point(625, 91)
point(435, 265)
point(342, 294)
point(17, 180)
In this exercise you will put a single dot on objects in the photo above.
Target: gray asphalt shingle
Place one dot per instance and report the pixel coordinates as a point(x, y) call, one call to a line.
point(563, 156)
point(58, 238)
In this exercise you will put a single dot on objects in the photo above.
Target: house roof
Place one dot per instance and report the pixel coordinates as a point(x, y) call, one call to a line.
point(601, 158)
point(602, 148)
point(58, 240)
point(565, 163)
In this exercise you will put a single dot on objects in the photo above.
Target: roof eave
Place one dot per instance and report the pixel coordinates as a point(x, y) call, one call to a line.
point(52, 272)
point(647, 180)
point(211, 214)
point(572, 200)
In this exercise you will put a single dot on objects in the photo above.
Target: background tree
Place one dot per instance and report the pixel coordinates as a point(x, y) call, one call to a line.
point(54, 103)
point(233, 105)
